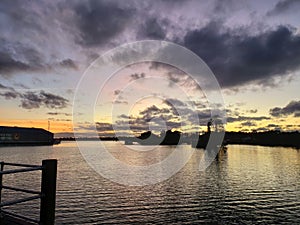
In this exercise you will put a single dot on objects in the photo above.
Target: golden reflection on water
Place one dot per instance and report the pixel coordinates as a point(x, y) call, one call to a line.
point(245, 185)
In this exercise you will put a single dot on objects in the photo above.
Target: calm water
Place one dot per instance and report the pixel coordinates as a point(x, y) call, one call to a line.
point(247, 185)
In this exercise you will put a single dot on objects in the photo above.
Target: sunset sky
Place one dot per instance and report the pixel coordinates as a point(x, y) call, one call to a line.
point(252, 47)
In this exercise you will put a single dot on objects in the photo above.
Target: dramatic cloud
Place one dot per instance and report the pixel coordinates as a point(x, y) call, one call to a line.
point(68, 63)
point(237, 58)
point(9, 92)
point(248, 124)
point(99, 21)
point(236, 55)
point(9, 95)
point(58, 113)
point(137, 76)
point(246, 118)
point(293, 108)
point(120, 102)
point(284, 6)
point(117, 92)
point(274, 126)
point(171, 114)
point(15, 56)
point(174, 75)
point(153, 111)
point(174, 102)
point(3, 86)
point(50, 42)
point(32, 100)
point(152, 29)
point(19, 57)
point(153, 117)
point(104, 127)
point(252, 111)
point(31, 39)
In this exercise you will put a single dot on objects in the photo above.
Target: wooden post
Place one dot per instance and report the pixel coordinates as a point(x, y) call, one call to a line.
point(1, 169)
point(48, 189)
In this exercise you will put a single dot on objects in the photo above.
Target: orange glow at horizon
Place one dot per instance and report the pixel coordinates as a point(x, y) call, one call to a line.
point(55, 126)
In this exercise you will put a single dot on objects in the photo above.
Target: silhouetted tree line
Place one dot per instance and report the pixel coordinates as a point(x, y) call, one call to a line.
point(268, 138)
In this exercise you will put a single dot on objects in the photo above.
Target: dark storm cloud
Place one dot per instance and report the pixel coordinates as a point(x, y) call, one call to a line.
point(174, 75)
point(252, 111)
point(99, 21)
point(10, 95)
point(58, 113)
point(231, 119)
point(32, 100)
point(103, 127)
point(172, 102)
point(153, 110)
point(248, 124)
point(19, 57)
point(153, 29)
point(199, 115)
point(157, 118)
point(293, 108)
point(275, 126)
point(137, 76)
point(261, 129)
point(68, 63)
point(174, 78)
point(174, 1)
point(11, 55)
point(285, 6)
point(27, 30)
point(3, 86)
point(8, 64)
point(117, 92)
point(204, 114)
point(123, 116)
point(18, 20)
point(120, 98)
point(226, 6)
point(120, 102)
point(168, 117)
point(237, 58)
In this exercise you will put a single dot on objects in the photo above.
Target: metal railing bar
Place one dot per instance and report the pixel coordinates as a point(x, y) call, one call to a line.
point(19, 216)
point(8, 203)
point(21, 170)
point(46, 195)
point(21, 190)
point(19, 164)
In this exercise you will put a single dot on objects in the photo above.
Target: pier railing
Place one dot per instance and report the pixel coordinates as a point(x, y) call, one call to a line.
point(46, 194)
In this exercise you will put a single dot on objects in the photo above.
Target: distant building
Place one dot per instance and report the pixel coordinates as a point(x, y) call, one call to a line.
point(19, 136)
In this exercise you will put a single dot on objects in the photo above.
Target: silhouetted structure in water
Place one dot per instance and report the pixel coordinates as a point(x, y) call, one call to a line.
point(209, 123)
point(167, 138)
point(171, 138)
point(202, 140)
point(269, 138)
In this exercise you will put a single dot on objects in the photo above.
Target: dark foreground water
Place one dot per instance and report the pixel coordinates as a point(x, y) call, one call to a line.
point(247, 185)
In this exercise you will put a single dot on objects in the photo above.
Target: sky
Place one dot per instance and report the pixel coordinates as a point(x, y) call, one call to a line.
point(252, 48)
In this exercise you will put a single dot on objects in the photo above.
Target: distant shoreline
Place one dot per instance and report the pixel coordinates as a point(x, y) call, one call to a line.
point(269, 139)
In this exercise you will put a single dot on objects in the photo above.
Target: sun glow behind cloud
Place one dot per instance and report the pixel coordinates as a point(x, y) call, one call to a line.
point(159, 86)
